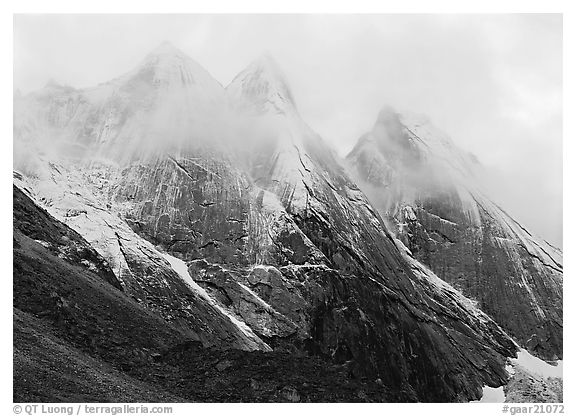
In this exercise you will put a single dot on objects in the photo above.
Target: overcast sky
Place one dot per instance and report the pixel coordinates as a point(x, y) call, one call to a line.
point(492, 82)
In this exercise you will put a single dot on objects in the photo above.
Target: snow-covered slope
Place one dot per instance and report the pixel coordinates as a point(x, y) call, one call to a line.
point(427, 189)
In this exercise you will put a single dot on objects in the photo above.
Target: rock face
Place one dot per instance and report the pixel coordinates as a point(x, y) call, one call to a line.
point(132, 264)
point(281, 249)
point(427, 190)
point(79, 337)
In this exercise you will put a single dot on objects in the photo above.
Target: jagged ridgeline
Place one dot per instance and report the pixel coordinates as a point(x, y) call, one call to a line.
point(219, 211)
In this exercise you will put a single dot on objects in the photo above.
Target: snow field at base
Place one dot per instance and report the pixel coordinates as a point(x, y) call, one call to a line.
point(491, 395)
point(529, 363)
point(538, 367)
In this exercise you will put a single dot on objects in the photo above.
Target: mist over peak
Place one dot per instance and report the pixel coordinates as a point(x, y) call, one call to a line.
point(166, 48)
point(262, 87)
point(433, 196)
point(168, 66)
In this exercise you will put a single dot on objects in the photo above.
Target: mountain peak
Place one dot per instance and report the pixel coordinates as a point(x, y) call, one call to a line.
point(262, 86)
point(166, 48)
point(166, 54)
point(410, 141)
point(413, 127)
point(167, 65)
point(387, 112)
point(267, 62)
point(389, 119)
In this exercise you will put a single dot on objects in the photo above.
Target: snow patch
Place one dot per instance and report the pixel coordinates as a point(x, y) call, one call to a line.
point(44, 243)
point(527, 362)
point(491, 395)
point(536, 366)
point(258, 299)
point(180, 267)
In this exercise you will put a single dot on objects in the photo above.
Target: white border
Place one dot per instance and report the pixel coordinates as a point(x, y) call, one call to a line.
point(300, 6)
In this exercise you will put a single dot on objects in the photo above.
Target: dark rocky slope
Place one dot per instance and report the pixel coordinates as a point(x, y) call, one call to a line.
point(70, 318)
point(79, 338)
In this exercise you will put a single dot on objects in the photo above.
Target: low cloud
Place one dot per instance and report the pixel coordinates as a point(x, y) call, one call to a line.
point(492, 82)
